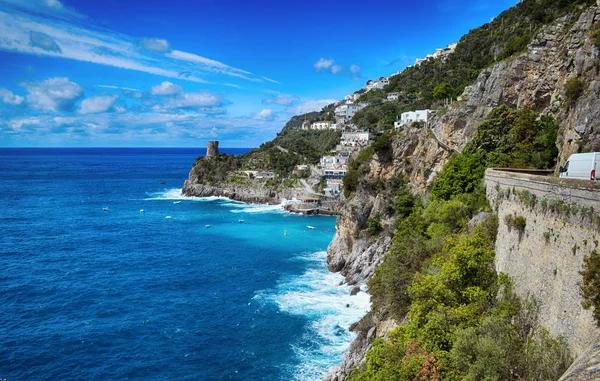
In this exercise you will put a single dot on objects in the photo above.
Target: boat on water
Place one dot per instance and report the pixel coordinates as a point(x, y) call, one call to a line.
point(207, 226)
point(105, 209)
point(168, 217)
point(176, 202)
point(241, 221)
point(142, 211)
point(311, 227)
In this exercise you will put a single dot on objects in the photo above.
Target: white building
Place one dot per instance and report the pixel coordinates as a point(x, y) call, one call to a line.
point(439, 53)
point(324, 125)
point(334, 162)
point(354, 139)
point(351, 98)
point(306, 125)
point(413, 116)
point(334, 174)
point(344, 113)
point(393, 96)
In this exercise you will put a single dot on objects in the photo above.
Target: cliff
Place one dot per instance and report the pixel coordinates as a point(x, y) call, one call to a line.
point(537, 78)
point(255, 192)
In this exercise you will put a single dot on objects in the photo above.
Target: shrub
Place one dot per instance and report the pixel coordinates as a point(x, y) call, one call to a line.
point(573, 89)
point(462, 174)
point(373, 225)
point(515, 222)
point(590, 284)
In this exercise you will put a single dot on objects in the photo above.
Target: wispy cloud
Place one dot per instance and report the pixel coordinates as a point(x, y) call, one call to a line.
point(309, 106)
point(271, 80)
point(43, 41)
point(266, 114)
point(35, 34)
point(95, 105)
point(118, 88)
point(9, 98)
point(281, 99)
point(54, 8)
point(323, 64)
point(336, 69)
point(154, 45)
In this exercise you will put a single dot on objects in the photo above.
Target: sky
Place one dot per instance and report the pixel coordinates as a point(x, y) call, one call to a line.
point(177, 73)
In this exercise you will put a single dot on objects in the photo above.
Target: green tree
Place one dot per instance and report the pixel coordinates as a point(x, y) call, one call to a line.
point(443, 91)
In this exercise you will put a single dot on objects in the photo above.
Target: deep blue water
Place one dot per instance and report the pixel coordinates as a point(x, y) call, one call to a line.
point(100, 295)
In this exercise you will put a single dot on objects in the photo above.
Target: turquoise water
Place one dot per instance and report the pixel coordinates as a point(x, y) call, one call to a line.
point(89, 293)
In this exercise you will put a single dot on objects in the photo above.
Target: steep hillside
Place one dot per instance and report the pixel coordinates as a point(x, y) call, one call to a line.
point(554, 73)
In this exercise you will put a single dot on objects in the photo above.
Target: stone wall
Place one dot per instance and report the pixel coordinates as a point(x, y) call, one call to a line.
point(544, 259)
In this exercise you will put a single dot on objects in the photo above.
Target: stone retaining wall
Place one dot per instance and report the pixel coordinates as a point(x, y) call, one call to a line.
point(544, 259)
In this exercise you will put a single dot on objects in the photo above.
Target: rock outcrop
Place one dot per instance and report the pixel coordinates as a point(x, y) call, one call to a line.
point(255, 194)
point(586, 367)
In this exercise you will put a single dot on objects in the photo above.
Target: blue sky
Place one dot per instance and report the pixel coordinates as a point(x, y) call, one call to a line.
point(178, 73)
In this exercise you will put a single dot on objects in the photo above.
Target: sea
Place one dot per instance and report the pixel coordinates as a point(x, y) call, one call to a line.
point(108, 273)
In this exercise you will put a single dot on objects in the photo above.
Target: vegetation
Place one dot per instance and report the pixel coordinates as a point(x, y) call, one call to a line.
point(515, 139)
point(464, 322)
point(590, 285)
point(574, 88)
point(595, 35)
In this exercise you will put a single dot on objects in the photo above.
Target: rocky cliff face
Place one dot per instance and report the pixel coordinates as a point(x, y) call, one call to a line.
point(256, 193)
point(535, 78)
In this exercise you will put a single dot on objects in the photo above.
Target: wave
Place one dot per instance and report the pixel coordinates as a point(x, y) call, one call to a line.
point(175, 194)
point(318, 296)
point(253, 208)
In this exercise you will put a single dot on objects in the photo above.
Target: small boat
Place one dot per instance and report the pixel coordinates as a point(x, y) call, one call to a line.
point(311, 227)
point(105, 209)
point(168, 217)
point(241, 221)
point(162, 182)
point(207, 226)
point(176, 202)
point(142, 211)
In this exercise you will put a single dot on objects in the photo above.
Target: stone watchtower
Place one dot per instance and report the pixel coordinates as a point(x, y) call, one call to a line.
point(212, 150)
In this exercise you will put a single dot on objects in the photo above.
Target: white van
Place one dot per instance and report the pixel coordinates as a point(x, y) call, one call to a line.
point(582, 166)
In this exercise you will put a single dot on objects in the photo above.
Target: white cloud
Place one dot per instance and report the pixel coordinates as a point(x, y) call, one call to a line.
point(166, 88)
point(155, 45)
point(118, 88)
point(281, 99)
point(10, 98)
point(43, 41)
point(95, 105)
point(271, 80)
point(266, 113)
point(336, 69)
point(54, 94)
point(103, 47)
point(355, 69)
point(310, 106)
point(49, 7)
point(199, 101)
point(323, 63)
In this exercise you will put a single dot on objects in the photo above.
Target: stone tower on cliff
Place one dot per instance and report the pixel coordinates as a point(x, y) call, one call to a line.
point(212, 150)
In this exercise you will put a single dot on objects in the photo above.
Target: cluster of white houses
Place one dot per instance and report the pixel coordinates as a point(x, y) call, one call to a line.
point(439, 53)
point(335, 166)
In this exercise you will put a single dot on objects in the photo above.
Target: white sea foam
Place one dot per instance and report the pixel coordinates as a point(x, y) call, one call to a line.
point(318, 296)
point(175, 194)
point(240, 207)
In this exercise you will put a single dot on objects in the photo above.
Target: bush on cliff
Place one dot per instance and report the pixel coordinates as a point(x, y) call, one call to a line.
point(590, 284)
